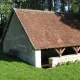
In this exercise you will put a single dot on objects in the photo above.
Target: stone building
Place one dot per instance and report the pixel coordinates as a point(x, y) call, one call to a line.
point(37, 35)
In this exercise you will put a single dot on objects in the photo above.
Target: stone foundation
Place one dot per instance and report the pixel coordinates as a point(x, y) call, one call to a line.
point(54, 61)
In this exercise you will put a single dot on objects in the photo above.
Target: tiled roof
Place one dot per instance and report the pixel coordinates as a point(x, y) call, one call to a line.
point(49, 30)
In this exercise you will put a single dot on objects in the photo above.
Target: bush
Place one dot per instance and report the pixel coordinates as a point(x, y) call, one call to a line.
point(69, 62)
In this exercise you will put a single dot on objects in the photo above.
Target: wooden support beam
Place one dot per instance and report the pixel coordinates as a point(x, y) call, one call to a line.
point(60, 51)
point(76, 49)
point(45, 65)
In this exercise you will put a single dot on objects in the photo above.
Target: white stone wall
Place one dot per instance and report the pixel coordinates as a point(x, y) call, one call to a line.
point(54, 61)
point(17, 39)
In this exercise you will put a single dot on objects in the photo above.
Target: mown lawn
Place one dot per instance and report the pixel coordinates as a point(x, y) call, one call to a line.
point(16, 69)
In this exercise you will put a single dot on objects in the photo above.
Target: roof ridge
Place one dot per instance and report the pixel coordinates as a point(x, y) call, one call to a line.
point(34, 10)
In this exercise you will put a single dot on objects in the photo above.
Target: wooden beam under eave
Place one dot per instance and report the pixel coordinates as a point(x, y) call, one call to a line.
point(59, 51)
point(76, 49)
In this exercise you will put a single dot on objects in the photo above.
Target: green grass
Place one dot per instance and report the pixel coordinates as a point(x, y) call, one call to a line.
point(16, 69)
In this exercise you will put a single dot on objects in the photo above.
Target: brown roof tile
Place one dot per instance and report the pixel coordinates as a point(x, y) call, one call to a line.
point(48, 30)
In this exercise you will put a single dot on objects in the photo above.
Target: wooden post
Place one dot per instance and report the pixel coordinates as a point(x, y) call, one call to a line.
point(60, 51)
point(76, 49)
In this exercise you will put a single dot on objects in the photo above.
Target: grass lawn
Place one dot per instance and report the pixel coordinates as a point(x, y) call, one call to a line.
point(16, 69)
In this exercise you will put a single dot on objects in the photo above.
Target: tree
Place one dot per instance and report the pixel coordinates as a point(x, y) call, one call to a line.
point(76, 6)
point(5, 7)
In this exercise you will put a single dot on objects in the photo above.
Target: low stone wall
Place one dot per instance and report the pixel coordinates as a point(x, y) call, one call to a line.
point(54, 61)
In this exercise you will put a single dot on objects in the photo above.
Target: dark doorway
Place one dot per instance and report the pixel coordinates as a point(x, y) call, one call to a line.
point(46, 53)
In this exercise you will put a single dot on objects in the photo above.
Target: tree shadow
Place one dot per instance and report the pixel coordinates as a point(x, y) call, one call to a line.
point(72, 20)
